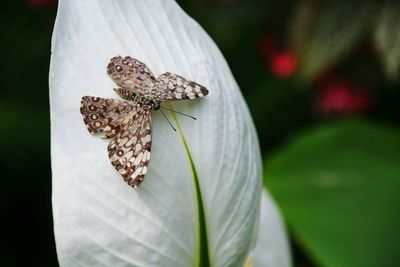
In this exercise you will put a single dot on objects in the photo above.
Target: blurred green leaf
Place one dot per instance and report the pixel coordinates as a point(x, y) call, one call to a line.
point(387, 38)
point(26, 133)
point(339, 188)
point(301, 25)
point(339, 25)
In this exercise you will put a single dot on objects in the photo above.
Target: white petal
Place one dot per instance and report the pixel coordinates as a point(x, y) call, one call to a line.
point(99, 220)
point(272, 247)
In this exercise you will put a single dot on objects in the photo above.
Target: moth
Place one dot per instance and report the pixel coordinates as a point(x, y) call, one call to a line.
point(128, 120)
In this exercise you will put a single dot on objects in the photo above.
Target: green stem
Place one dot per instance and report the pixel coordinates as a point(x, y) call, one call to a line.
point(204, 260)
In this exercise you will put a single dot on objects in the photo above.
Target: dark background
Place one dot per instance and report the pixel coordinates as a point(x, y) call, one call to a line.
point(321, 82)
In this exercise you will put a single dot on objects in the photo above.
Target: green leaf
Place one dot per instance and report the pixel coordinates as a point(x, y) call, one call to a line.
point(387, 38)
point(339, 26)
point(339, 188)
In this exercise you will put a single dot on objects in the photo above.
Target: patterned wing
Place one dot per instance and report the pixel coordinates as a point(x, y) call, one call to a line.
point(170, 86)
point(129, 151)
point(105, 115)
point(130, 73)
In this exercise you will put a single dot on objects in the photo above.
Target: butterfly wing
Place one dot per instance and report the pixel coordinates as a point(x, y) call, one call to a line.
point(131, 74)
point(105, 115)
point(169, 86)
point(129, 151)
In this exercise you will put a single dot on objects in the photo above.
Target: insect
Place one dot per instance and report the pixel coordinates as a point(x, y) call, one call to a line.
point(128, 120)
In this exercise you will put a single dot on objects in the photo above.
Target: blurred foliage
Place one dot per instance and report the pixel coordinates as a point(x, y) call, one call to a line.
point(338, 26)
point(300, 65)
point(387, 38)
point(24, 112)
point(339, 188)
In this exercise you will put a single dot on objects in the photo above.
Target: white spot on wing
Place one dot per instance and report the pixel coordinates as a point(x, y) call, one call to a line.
point(138, 159)
point(137, 172)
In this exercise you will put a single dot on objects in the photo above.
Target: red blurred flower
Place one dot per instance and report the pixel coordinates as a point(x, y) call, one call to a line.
point(40, 3)
point(342, 97)
point(284, 64)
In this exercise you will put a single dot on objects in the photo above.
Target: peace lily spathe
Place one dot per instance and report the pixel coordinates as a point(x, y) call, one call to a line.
point(272, 248)
point(98, 219)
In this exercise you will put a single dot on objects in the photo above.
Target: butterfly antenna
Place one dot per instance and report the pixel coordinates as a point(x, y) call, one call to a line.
point(168, 120)
point(180, 113)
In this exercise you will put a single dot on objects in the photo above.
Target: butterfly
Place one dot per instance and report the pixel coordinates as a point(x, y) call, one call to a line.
point(128, 120)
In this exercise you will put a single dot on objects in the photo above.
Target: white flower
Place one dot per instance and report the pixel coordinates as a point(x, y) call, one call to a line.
point(272, 249)
point(168, 220)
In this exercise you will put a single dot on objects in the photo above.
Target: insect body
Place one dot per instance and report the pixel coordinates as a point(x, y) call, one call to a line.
point(141, 101)
point(128, 121)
